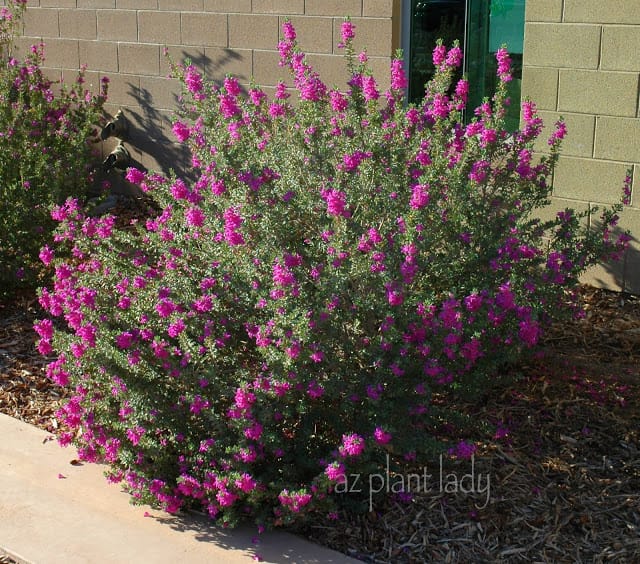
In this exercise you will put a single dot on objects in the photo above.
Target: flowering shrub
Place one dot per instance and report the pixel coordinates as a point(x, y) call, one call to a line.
point(286, 319)
point(45, 155)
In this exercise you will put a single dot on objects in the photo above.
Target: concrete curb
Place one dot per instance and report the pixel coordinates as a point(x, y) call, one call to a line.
point(54, 512)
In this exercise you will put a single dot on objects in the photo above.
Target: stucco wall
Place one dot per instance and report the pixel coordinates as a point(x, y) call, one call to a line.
point(582, 61)
point(124, 40)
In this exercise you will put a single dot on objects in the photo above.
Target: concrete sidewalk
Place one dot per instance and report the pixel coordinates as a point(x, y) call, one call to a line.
point(54, 512)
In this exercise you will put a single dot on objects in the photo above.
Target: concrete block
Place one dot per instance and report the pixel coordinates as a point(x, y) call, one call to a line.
point(618, 139)
point(78, 24)
point(342, 8)
point(621, 47)
point(378, 8)
point(543, 11)
point(333, 71)
point(96, 3)
point(206, 29)
point(607, 275)
point(181, 5)
point(124, 89)
point(142, 59)
point(598, 92)
point(117, 25)
point(597, 11)
point(62, 53)
point(22, 46)
point(574, 46)
point(237, 62)
point(314, 34)
point(266, 71)
point(179, 53)
point(632, 273)
point(550, 211)
point(92, 81)
point(540, 84)
point(40, 22)
point(373, 34)
point(99, 55)
point(159, 92)
point(137, 4)
point(580, 133)
point(283, 7)
point(57, 3)
point(588, 180)
point(159, 27)
point(228, 6)
point(253, 31)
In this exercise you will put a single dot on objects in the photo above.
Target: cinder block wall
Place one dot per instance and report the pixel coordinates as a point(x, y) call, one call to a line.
point(124, 40)
point(582, 61)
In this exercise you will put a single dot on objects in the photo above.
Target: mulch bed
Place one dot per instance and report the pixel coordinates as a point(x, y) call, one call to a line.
point(563, 470)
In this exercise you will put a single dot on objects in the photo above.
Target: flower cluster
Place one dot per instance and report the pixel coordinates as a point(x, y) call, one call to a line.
point(285, 318)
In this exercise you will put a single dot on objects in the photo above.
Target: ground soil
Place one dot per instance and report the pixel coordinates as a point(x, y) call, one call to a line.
point(563, 466)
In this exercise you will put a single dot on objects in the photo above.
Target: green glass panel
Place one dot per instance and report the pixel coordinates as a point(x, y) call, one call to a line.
point(493, 23)
point(489, 25)
point(431, 20)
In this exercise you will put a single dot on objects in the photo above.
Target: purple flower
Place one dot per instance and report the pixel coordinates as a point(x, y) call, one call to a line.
point(46, 255)
point(439, 55)
point(370, 88)
point(336, 472)
point(419, 196)
point(463, 450)
point(194, 217)
point(288, 31)
point(352, 445)
point(176, 328)
point(398, 76)
point(347, 31)
point(504, 65)
point(181, 131)
point(381, 436)
point(193, 80)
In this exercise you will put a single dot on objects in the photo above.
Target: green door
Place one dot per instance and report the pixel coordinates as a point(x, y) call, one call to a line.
point(481, 26)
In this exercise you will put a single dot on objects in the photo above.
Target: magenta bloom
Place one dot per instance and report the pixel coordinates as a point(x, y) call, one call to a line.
point(176, 328)
point(134, 175)
point(44, 328)
point(398, 76)
point(336, 202)
point(419, 196)
point(439, 55)
point(454, 57)
point(463, 450)
point(181, 131)
point(504, 65)
point(335, 472)
point(288, 31)
point(529, 332)
point(193, 80)
point(232, 86)
point(245, 483)
point(194, 217)
point(381, 436)
point(370, 88)
point(348, 32)
point(352, 445)
point(46, 255)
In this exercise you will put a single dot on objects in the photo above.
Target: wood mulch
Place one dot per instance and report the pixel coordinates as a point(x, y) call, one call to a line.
point(558, 482)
